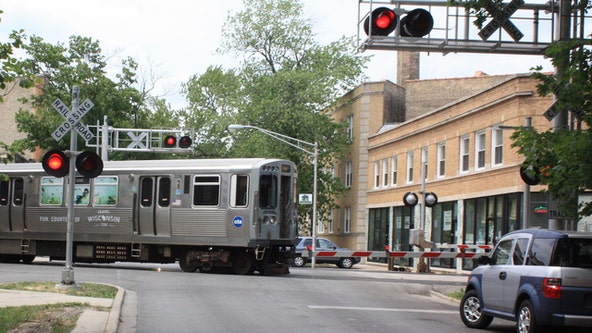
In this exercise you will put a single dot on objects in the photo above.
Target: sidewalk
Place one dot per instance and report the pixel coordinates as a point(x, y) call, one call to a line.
point(90, 321)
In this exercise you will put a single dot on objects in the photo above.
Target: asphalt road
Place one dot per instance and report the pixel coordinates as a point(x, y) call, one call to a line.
point(162, 298)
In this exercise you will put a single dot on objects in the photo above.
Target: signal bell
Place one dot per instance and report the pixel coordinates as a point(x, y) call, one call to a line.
point(417, 23)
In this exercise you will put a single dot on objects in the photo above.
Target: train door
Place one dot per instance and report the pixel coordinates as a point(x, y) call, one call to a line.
point(154, 206)
point(12, 205)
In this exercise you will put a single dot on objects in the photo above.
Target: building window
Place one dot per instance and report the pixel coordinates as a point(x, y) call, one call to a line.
point(410, 167)
point(350, 127)
point(348, 173)
point(376, 174)
point(441, 159)
point(497, 144)
point(385, 172)
point(424, 162)
point(330, 222)
point(480, 150)
point(464, 154)
point(347, 219)
point(394, 170)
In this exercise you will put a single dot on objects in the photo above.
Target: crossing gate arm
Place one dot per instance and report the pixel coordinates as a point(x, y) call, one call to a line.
point(394, 254)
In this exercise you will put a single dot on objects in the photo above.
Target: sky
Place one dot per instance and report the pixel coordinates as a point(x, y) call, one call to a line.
point(176, 39)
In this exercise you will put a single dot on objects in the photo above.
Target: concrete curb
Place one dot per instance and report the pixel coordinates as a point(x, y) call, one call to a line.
point(115, 313)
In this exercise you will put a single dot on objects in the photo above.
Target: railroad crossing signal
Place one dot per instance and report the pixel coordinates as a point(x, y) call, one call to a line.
point(501, 19)
point(72, 120)
point(170, 141)
point(56, 163)
point(416, 23)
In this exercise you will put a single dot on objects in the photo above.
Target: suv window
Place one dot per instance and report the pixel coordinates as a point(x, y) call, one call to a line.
point(541, 252)
point(501, 255)
point(574, 252)
point(520, 251)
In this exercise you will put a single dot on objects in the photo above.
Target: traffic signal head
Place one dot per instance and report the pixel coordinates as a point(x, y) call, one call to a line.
point(417, 23)
point(381, 22)
point(530, 174)
point(56, 163)
point(185, 142)
point(89, 164)
point(170, 141)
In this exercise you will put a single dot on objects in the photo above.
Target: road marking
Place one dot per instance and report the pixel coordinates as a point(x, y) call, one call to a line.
point(358, 308)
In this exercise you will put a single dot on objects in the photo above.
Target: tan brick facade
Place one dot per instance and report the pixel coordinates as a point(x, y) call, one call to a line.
point(389, 122)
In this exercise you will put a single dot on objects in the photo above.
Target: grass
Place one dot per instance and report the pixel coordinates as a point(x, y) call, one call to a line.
point(457, 294)
point(83, 289)
point(55, 318)
point(12, 317)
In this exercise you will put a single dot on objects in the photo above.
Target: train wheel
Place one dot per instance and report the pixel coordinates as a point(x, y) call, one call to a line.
point(185, 265)
point(243, 263)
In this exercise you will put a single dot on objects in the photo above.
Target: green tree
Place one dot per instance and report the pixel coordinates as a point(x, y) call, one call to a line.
point(81, 62)
point(285, 83)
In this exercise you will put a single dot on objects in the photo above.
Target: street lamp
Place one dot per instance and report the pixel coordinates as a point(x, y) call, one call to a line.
point(290, 141)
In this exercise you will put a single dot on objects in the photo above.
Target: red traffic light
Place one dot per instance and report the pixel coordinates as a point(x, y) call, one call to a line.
point(56, 163)
point(185, 142)
point(170, 141)
point(417, 23)
point(89, 164)
point(381, 22)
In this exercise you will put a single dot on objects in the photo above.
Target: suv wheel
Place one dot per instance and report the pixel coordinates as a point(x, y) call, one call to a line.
point(298, 261)
point(470, 311)
point(526, 320)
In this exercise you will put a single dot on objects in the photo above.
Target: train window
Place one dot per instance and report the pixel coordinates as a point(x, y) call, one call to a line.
point(52, 191)
point(206, 190)
point(82, 191)
point(239, 189)
point(268, 189)
point(164, 192)
point(3, 192)
point(17, 191)
point(105, 191)
point(146, 192)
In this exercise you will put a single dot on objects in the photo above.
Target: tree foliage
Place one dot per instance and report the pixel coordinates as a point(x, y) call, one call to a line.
point(285, 81)
point(81, 63)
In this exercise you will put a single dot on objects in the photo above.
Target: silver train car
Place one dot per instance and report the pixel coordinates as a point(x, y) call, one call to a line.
point(234, 213)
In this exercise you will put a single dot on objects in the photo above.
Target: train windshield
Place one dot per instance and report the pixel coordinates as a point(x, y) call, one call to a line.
point(268, 191)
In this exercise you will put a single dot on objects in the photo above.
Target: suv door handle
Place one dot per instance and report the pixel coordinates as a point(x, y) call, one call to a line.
point(503, 275)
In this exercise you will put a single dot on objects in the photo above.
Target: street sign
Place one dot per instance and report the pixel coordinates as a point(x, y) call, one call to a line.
point(72, 120)
point(501, 19)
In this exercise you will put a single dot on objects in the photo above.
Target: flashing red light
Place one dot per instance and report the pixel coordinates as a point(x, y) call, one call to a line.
point(56, 163)
point(170, 141)
point(381, 22)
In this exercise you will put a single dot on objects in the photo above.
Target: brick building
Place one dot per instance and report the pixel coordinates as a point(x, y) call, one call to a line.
point(448, 127)
point(12, 95)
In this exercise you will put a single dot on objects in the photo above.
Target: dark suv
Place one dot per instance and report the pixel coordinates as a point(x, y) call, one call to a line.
point(323, 244)
point(536, 277)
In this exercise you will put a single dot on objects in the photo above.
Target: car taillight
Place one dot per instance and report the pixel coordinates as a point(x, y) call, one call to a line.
point(552, 287)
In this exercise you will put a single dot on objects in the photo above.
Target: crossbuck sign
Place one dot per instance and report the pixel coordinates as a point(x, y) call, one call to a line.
point(501, 19)
point(72, 120)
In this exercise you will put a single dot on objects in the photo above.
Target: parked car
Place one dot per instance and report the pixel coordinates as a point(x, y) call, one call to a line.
point(322, 244)
point(536, 277)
